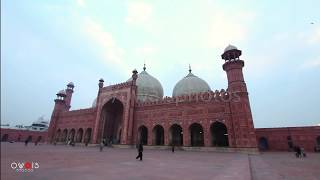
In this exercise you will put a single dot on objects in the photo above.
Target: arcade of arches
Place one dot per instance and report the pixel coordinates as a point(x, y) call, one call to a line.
point(79, 136)
point(175, 133)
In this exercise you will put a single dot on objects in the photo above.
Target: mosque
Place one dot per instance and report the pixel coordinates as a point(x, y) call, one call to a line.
point(195, 117)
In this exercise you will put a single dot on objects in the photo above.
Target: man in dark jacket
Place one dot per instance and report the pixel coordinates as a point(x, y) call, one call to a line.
point(140, 150)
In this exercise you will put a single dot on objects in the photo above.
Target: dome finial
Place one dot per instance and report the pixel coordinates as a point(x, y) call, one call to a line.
point(190, 69)
point(144, 66)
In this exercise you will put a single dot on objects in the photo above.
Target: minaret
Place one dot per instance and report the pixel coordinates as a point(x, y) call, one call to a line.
point(69, 92)
point(60, 105)
point(239, 106)
point(233, 66)
point(97, 130)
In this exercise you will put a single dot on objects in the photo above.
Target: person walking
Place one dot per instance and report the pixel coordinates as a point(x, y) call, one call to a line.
point(26, 142)
point(140, 150)
point(172, 148)
point(101, 145)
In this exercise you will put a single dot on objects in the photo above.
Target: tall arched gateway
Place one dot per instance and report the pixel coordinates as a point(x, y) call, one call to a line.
point(112, 114)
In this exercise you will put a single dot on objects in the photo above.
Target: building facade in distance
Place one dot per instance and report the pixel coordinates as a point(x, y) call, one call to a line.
point(135, 112)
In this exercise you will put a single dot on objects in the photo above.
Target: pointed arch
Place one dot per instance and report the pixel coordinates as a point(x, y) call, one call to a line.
point(176, 135)
point(142, 135)
point(79, 135)
point(219, 134)
point(158, 135)
point(196, 134)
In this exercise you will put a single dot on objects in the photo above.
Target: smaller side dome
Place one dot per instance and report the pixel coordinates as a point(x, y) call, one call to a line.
point(230, 47)
point(190, 84)
point(62, 93)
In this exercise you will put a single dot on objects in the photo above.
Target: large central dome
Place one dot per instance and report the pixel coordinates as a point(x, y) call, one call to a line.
point(149, 88)
point(190, 84)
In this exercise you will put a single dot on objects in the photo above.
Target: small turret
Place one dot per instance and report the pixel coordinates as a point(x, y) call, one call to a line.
point(69, 92)
point(101, 81)
point(233, 67)
point(135, 73)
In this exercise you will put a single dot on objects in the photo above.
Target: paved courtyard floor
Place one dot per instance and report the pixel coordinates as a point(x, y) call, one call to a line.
point(81, 163)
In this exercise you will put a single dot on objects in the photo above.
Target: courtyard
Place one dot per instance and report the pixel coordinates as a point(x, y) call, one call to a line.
point(79, 162)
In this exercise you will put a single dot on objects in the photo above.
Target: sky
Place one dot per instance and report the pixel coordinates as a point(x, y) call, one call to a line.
point(46, 44)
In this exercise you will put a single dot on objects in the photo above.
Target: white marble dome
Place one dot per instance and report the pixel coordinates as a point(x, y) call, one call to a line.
point(149, 88)
point(230, 47)
point(190, 84)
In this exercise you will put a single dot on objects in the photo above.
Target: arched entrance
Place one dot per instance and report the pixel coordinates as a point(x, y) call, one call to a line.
point(263, 144)
point(71, 135)
point(158, 135)
point(176, 135)
point(112, 113)
point(5, 137)
point(87, 136)
point(79, 135)
point(143, 135)
point(58, 134)
point(318, 140)
point(196, 134)
point(219, 134)
point(64, 135)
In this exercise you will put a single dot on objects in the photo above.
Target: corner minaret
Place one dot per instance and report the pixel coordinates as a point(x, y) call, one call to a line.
point(238, 108)
point(60, 105)
point(233, 66)
point(69, 92)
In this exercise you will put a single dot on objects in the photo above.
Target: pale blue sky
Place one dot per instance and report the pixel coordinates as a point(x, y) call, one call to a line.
point(46, 44)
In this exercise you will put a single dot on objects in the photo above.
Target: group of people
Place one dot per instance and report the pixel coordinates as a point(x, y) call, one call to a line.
point(299, 152)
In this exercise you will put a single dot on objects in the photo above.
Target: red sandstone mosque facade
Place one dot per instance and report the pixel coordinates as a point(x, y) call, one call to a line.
point(195, 116)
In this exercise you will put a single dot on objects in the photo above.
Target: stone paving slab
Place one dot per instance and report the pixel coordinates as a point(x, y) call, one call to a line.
point(284, 165)
point(66, 162)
